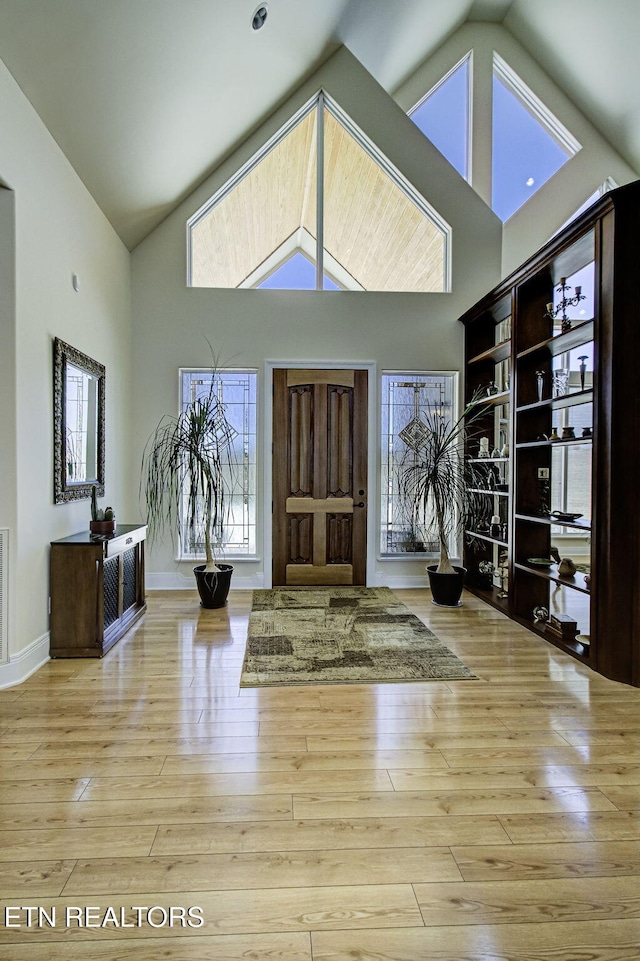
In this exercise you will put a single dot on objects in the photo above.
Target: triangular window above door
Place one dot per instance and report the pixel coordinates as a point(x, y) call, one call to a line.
point(296, 273)
point(319, 191)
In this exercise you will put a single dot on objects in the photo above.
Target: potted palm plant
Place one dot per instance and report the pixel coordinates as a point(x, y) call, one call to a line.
point(437, 486)
point(186, 484)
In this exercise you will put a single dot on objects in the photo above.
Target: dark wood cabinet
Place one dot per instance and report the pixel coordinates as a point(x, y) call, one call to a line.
point(573, 437)
point(97, 590)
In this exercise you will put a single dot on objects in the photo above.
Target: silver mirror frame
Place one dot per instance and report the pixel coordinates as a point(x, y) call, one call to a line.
point(63, 491)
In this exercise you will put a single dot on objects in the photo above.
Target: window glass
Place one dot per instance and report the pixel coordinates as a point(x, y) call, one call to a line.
point(237, 390)
point(443, 116)
point(406, 396)
point(524, 152)
point(261, 229)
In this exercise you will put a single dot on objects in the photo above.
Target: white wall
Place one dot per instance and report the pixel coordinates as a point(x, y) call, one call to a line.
point(59, 230)
point(249, 327)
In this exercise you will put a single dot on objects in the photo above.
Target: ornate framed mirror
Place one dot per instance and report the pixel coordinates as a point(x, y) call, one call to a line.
point(78, 424)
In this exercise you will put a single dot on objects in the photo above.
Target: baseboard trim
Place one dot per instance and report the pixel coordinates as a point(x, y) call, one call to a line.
point(254, 582)
point(183, 582)
point(21, 666)
point(400, 581)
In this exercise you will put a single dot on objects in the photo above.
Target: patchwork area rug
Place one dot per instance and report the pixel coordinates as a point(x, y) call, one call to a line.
point(341, 635)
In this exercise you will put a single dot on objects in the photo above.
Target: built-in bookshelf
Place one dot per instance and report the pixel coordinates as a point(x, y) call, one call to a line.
point(551, 356)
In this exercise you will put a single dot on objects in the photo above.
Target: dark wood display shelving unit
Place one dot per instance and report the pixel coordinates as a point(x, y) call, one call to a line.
point(513, 341)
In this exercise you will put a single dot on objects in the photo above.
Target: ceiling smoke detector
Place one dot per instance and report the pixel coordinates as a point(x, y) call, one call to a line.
point(259, 17)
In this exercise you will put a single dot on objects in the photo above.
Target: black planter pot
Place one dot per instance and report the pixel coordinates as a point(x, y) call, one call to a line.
point(446, 588)
point(214, 586)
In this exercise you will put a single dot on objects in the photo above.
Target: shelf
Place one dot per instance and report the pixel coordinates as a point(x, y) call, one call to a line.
point(486, 537)
point(551, 574)
point(494, 400)
point(487, 460)
point(584, 526)
point(557, 403)
point(479, 490)
point(578, 335)
point(569, 442)
point(597, 470)
point(575, 648)
point(491, 596)
point(497, 353)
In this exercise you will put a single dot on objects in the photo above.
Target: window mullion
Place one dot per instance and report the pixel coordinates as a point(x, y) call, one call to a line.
point(320, 194)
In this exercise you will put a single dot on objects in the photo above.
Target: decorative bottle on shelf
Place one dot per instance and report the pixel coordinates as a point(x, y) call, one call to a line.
point(583, 369)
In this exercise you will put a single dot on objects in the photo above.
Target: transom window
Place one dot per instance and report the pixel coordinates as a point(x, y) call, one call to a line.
point(321, 195)
point(237, 390)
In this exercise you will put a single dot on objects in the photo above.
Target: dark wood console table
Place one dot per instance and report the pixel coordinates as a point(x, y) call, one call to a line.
point(97, 590)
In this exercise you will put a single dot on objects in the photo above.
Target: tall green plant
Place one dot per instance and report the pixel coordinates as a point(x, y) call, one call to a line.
point(436, 483)
point(183, 472)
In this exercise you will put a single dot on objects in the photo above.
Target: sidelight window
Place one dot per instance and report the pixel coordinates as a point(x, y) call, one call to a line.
point(406, 397)
point(237, 390)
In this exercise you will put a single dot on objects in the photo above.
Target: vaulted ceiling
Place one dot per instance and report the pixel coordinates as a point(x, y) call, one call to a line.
point(147, 97)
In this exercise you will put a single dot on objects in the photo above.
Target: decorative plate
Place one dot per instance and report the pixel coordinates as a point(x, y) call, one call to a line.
point(540, 561)
point(564, 516)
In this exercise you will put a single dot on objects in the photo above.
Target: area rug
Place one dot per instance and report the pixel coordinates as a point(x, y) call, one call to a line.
point(341, 635)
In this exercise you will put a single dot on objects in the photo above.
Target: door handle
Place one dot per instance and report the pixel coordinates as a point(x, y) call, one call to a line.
point(361, 504)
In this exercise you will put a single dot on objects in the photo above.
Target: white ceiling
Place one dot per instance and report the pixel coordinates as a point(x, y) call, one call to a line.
point(146, 97)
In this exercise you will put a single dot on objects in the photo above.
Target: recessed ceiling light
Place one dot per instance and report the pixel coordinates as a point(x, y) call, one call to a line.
point(530, 182)
point(259, 17)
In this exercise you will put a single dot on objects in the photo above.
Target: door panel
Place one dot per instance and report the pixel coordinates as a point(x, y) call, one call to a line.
point(319, 476)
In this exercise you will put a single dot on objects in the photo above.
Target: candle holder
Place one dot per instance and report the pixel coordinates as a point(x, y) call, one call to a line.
point(565, 301)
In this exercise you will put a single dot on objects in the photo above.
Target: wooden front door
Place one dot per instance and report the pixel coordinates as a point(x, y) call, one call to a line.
point(319, 476)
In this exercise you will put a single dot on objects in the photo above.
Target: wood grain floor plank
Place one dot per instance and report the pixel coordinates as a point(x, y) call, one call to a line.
point(33, 879)
point(607, 777)
point(151, 811)
point(626, 798)
point(234, 947)
point(559, 941)
point(491, 739)
point(212, 785)
point(533, 861)
point(62, 843)
point(280, 869)
point(309, 761)
point(594, 826)
point(414, 803)
point(141, 747)
point(85, 767)
point(255, 911)
point(508, 902)
point(45, 789)
point(327, 834)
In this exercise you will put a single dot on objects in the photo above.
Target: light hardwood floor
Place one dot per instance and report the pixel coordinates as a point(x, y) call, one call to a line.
point(461, 821)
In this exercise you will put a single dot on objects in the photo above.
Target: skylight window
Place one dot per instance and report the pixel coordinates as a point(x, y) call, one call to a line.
point(529, 143)
point(372, 230)
point(443, 116)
